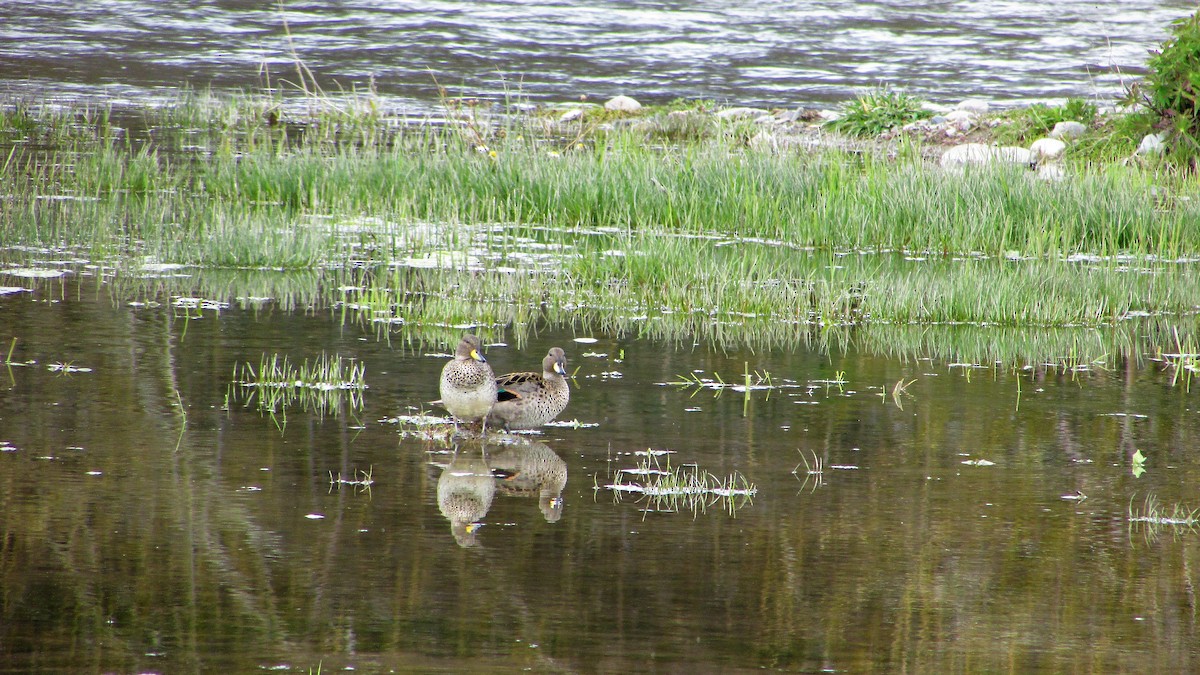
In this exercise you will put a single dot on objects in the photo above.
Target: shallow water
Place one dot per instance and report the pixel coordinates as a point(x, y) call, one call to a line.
point(776, 53)
point(977, 520)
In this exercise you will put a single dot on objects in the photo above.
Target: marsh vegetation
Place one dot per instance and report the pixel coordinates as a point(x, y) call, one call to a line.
point(509, 220)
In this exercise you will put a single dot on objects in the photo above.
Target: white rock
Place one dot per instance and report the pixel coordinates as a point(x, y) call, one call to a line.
point(978, 154)
point(1152, 144)
point(1047, 148)
point(622, 104)
point(1068, 130)
point(571, 115)
point(740, 113)
point(977, 106)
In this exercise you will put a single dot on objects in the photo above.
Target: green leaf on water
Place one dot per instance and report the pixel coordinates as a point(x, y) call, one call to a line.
point(1139, 463)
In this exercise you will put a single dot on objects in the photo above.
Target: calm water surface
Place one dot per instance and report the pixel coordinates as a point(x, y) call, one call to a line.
point(772, 53)
point(151, 522)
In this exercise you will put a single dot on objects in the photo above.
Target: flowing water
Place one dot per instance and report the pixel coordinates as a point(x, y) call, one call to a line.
point(981, 519)
point(776, 53)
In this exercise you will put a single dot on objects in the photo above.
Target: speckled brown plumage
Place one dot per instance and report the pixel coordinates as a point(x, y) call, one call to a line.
point(532, 469)
point(464, 493)
point(468, 386)
point(529, 400)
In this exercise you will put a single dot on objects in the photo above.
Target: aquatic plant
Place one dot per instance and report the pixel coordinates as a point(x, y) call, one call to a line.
point(361, 480)
point(751, 381)
point(664, 488)
point(1184, 361)
point(323, 385)
point(1152, 518)
point(814, 471)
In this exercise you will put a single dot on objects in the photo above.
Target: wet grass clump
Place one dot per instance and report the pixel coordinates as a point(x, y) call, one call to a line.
point(325, 386)
point(661, 487)
point(1154, 517)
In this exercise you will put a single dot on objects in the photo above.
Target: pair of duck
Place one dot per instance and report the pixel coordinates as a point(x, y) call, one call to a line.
point(471, 392)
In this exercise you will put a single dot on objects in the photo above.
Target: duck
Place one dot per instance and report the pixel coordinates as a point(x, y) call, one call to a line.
point(468, 386)
point(529, 400)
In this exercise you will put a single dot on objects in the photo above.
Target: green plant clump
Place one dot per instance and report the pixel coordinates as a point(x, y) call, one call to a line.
point(877, 111)
point(1171, 88)
point(1025, 124)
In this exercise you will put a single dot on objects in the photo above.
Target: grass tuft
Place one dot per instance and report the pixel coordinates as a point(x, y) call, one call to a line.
point(664, 488)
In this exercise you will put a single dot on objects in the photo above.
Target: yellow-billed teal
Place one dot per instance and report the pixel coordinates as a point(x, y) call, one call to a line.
point(468, 386)
point(529, 400)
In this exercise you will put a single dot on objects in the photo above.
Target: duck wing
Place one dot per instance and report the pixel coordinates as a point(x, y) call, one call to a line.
point(517, 385)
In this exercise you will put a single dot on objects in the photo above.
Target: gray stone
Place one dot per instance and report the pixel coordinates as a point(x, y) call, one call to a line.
point(622, 104)
point(1068, 130)
point(571, 115)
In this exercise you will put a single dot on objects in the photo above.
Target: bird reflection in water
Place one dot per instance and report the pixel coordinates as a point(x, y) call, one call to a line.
point(469, 482)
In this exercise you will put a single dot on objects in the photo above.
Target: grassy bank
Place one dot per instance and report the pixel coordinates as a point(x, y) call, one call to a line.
point(513, 221)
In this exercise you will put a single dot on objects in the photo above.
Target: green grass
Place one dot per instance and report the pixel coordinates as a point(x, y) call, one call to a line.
point(1022, 126)
point(665, 488)
point(326, 385)
point(1154, 517)
point(878, 110)
point(420, 229)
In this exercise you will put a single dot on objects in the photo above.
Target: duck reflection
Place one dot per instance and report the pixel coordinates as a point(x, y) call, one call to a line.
point(523, 468)
point(530, 468)
point(465, 491)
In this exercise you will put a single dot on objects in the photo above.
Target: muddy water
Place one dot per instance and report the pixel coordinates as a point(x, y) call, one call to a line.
point(763, 53)
point(151, 522)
